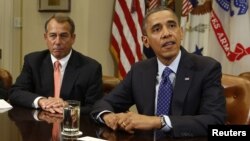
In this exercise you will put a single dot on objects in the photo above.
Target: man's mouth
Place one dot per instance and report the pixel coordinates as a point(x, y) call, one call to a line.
point(168, 44)
point(57, 49)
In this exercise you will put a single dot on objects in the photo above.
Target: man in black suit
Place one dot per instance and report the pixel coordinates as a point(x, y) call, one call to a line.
point(197, 99)
point(81, 76)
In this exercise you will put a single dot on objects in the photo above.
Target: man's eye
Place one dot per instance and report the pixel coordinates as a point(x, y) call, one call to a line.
point(52, 36)
point(64, 36)
point(172, 25)
point(156, 29)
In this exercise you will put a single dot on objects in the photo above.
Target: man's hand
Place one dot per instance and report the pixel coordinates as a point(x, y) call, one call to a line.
point(52, 105)
point(111, 120)
point(133, 121)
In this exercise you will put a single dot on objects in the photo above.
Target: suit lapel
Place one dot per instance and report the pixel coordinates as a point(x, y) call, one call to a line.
point(182, 84)
point(70, 75)
point(47, 78)
point(148, 84)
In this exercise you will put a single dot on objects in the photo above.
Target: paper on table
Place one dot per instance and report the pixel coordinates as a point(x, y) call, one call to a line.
point(88, 138)
point(4, 106)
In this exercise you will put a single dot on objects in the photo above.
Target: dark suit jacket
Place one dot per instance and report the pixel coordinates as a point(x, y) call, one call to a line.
point(82, 80)
point(198, 98)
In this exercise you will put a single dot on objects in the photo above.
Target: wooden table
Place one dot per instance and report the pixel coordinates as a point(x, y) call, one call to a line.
point(19, 124)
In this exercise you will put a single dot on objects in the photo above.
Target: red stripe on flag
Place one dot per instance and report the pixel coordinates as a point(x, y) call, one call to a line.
point(115, 48)
point(153, 4)
point(125, 34)
point(186, 7)
point(139, 11)
point(116, 52)
point(140, 20)
point(131, 25)
point(124, 42)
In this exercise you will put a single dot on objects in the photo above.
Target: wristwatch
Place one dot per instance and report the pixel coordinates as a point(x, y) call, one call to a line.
point(163, 122)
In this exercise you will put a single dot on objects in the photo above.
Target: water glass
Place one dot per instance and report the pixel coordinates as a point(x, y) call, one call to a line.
point(71, 118)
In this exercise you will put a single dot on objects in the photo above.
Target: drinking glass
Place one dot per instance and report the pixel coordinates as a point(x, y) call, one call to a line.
point(71, 119)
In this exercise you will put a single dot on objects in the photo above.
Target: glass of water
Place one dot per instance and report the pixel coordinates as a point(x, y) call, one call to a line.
point(71, 119)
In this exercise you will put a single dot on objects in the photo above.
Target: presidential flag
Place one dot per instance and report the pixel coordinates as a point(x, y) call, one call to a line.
point(195, 21)
point(229, 39)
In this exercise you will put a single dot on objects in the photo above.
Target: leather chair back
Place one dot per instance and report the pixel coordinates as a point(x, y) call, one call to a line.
point(237, 92)
point(5, 78)
point(109, 83)
point(245, 75)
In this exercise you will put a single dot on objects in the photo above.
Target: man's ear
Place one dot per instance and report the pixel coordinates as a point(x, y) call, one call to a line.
point(145, 41)
point(45, 36)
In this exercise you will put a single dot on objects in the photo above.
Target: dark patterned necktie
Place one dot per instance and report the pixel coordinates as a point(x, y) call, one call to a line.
point(165, 93)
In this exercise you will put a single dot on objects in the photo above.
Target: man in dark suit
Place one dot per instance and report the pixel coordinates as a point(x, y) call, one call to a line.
point(81, 76)
point(197, 99)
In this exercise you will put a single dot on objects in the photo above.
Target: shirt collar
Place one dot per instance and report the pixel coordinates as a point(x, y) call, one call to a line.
point(62, 61)
point(173, 66)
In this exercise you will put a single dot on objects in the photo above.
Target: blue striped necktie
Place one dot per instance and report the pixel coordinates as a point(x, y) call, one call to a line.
point(165, 93)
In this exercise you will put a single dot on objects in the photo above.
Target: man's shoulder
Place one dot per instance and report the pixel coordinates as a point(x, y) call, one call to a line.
point(202, 59)
point(197, 59)
point(38, 53)
point(147, 61)
point(145, 64)
point(83, 58)
point(198, 62)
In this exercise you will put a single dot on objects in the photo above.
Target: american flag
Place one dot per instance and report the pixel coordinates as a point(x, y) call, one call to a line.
point(152, 4)
point(126, 44)
point(186, 7)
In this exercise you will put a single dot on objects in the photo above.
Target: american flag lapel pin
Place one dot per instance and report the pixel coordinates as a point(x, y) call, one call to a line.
point(187, 78)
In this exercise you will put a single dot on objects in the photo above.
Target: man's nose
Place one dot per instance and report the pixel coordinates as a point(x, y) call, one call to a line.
point(58, 40)
point(165, 32)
